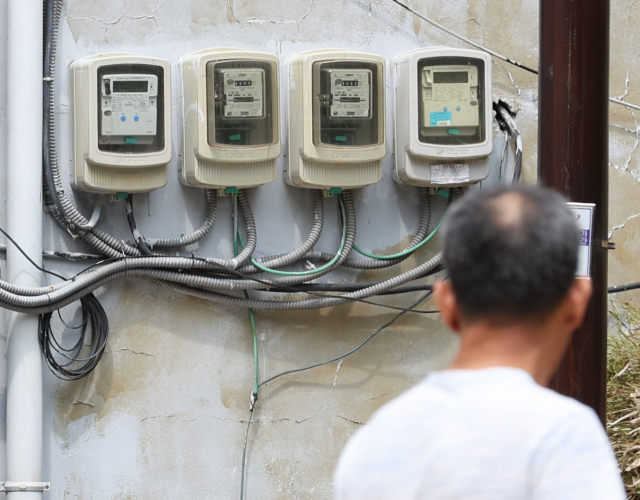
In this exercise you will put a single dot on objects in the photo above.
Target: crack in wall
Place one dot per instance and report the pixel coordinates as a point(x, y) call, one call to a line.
point(627, 79)
point(187, 419)
point(107, 24)
point(377, 396)
point(159, 6)
point(513, 82)
point(79, 402)
point(131, 351)
point(620, 226)
point(231, 16)
point(352, 420)
point(335, 379)
point(472, 18)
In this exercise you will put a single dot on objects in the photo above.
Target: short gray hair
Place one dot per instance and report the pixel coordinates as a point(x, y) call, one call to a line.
point(511, 252)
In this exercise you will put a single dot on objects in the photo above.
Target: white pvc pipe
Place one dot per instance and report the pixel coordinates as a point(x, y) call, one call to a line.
point(24, 223)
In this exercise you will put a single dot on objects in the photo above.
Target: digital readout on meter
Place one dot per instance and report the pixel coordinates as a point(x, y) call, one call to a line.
point(450, 77)
point(130, 85)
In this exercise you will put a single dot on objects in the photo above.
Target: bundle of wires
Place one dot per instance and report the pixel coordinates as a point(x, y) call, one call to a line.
point(196, 276)
point(77, 361)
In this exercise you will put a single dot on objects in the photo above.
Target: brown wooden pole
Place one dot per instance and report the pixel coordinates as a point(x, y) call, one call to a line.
point(573, 158)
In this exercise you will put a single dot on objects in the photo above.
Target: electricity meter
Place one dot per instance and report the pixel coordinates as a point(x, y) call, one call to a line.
point(230, 118)
point(121, 123)
point(336, 119)
point(443, 132)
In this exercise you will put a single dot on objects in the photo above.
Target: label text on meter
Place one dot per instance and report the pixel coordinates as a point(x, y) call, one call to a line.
point(244, 93)
point(351, 93)
point(449, 98)
point(129, 105)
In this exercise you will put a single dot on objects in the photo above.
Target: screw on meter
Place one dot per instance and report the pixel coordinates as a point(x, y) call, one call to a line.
point(128, 107)
point(449, 100)
point(243, 93)
point(350, 93)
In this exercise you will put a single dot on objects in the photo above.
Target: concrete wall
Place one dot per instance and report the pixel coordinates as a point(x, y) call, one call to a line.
point(164, 415)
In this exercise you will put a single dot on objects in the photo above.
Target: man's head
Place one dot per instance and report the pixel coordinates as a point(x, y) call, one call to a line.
point(511, 254)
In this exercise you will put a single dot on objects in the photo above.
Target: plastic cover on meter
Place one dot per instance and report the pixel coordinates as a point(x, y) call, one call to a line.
point(336, 119)
point(121, 123)
point(230, 118)
point(442, 116)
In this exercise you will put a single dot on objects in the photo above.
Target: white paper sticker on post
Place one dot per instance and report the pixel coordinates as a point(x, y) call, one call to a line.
point(450, 174)
point(584, 218)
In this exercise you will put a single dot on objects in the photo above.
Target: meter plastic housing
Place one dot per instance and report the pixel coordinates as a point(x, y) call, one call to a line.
point(230, 118)
point(442, 116)
point(121, 123)
point(336, 119)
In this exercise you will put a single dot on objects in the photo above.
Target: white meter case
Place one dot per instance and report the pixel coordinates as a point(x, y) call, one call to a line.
point(336, 119)
point(442, 118)
point(121, 123)
point(230, 118)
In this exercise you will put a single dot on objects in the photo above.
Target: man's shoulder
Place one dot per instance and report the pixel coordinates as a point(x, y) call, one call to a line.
point(502, 394)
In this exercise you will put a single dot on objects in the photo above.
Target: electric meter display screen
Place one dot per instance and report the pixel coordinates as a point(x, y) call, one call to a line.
point(347, 103)
point(241, 103)
point(451, 100)
point(131, 108)
point(451, 77)
point(130, 86)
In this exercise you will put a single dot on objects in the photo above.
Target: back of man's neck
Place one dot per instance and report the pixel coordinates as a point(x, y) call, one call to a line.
point(519, 346)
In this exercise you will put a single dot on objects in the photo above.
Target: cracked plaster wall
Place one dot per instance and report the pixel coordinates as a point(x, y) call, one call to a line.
point(164, 414)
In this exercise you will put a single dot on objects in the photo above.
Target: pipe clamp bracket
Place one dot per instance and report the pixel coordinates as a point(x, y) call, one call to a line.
point(10, 487)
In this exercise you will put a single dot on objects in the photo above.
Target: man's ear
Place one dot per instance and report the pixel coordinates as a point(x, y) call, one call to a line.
point(448, 304)
point(577, 302)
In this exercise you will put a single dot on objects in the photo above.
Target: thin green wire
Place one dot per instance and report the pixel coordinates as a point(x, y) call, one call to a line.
point(256, 374)
point(304, 273)
point(406, 252)
point(252, 318)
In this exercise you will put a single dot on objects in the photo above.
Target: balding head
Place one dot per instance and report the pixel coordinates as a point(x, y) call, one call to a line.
point(511, 252)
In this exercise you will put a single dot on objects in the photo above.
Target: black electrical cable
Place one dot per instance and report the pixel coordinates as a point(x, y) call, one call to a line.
point(358, 347)
point(39, 268)
point(322, 363)
point(347, 287)
point(140, 243)
point(70, 363)
point(624, 288)
point(466, 40)
point(280, 288)
point(505, 118)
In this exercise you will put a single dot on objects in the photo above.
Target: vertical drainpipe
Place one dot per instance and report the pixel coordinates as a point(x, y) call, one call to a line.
point(24, 223)
point(573, 140)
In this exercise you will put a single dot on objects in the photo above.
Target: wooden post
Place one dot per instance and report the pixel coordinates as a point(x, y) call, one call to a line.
point(573, 158)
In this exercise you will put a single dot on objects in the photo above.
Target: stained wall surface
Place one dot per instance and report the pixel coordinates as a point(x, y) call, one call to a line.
point(165, 413)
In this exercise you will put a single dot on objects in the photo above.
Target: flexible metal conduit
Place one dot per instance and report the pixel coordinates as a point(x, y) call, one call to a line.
point(168, 271)
point(383, 286)
point(421, 234)
point(209, 218)
point(59, 205)
point(277, 261)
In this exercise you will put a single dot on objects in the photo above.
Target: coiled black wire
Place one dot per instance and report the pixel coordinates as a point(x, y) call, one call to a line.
point(79, 360)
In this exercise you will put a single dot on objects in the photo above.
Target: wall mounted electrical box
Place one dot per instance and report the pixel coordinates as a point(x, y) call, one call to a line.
point(443, 116)
point(336, 119)
point(230, 118)
point(121, 123)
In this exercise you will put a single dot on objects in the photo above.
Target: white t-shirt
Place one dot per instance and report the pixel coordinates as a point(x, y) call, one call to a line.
point(489, 434)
